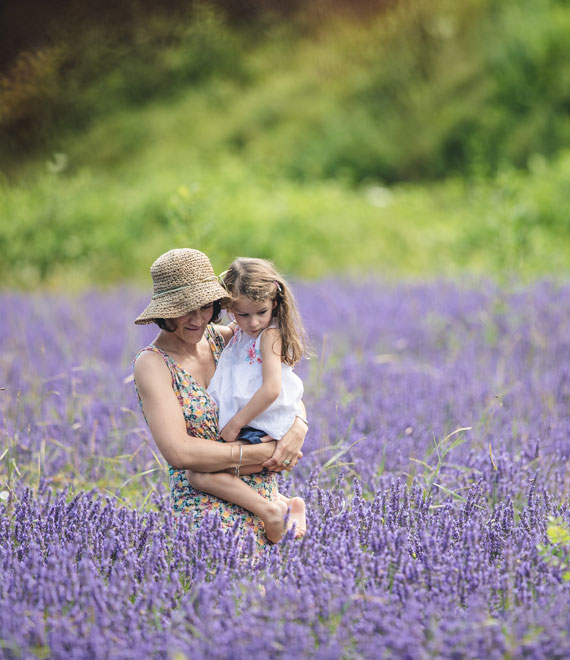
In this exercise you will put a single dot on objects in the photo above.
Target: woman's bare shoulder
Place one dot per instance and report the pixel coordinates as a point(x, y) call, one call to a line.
point(149, 364)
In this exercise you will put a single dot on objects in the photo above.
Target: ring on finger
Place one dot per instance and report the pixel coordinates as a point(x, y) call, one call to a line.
point(287, 462)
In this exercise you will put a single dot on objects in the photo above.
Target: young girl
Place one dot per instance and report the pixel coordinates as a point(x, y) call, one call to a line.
point(257, 393)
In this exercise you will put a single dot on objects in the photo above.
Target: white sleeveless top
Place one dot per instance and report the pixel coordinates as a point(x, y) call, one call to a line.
point(238, 377)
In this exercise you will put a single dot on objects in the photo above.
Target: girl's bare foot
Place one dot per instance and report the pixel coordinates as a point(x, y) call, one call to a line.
point(297, 516)
point(274, 520)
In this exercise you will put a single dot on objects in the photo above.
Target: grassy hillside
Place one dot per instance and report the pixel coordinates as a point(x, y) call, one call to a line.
point(429, 140)
point(107, 225)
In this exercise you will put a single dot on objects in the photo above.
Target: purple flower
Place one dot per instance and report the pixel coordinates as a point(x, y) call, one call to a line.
point(421, 543)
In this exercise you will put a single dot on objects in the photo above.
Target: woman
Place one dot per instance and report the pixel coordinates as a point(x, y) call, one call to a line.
point(171, 376)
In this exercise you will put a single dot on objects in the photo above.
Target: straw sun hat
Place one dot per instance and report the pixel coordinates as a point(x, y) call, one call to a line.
point(183, 280)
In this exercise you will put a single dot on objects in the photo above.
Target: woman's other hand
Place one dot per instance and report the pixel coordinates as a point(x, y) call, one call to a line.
point(288, 449)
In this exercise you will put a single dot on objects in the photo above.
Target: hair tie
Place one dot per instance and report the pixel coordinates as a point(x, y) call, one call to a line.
point(278, 286)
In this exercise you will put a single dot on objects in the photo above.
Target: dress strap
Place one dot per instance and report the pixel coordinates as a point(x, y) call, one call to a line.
point(216, 341)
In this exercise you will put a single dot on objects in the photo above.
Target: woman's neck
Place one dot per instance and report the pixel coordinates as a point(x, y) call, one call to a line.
point(171, 343)
point(196, 359)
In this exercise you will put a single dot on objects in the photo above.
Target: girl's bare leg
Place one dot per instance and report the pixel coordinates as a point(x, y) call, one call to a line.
point(295, 504)
point(228, 487)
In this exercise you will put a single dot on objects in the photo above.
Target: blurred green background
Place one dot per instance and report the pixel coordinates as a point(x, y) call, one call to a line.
point(410, 138)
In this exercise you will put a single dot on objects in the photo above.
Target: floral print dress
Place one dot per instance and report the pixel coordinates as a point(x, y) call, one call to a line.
point(201, 416)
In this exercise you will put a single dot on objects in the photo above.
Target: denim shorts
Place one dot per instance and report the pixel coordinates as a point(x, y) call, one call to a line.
point(252, 436)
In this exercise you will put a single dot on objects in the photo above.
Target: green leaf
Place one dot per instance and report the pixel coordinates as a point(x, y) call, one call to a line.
point(558, 534)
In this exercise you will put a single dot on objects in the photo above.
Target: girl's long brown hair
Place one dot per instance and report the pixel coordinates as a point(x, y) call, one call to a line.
point(258, 280)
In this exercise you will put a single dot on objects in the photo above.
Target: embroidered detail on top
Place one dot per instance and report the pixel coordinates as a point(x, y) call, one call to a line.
point(253, 355)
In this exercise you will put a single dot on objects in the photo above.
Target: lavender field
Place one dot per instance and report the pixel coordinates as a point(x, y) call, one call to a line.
point(436, 473)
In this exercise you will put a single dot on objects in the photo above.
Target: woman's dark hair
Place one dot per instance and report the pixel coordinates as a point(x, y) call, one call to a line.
point(163, 323)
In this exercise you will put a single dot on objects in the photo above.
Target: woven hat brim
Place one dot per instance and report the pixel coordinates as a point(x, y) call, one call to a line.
point(178, 303)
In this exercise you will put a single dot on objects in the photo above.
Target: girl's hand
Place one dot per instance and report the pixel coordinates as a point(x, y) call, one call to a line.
point(230, 432)
point(288, 450)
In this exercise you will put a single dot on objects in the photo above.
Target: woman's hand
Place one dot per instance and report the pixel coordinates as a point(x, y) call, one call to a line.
point(288, 450)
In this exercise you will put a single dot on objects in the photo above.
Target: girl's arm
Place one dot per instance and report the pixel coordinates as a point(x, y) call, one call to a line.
point(168, 428)
point(270, 348)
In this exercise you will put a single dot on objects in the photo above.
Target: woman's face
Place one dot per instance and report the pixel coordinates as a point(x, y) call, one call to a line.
point(191, 327)
point(252, 317)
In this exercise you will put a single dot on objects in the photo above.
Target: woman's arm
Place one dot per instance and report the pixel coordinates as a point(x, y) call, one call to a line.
point(270, 348)
point(227, 331)
point(168, 428)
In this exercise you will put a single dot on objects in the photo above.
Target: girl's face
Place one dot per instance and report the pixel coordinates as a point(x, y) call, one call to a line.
point(252, 317)
point(191, 327)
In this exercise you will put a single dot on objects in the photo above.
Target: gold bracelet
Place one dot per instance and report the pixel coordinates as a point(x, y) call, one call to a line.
point(237, 467)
